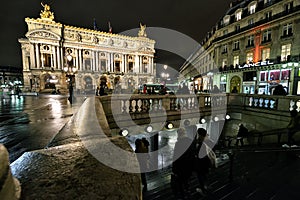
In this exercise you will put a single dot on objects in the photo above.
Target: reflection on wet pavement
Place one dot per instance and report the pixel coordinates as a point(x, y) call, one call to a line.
point(30, 122)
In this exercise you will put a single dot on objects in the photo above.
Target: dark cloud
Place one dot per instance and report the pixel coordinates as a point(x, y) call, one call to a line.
point(191, 17)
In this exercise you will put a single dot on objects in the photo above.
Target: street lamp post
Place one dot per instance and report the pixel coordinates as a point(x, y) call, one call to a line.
point(70, 71)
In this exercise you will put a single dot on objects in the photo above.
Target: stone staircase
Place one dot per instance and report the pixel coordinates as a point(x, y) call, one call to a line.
point(268, 174)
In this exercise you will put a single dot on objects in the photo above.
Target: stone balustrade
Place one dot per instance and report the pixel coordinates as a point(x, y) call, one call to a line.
point(143, 108)
point(135, 103)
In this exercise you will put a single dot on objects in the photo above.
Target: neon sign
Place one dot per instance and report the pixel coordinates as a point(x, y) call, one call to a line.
point(257, 64)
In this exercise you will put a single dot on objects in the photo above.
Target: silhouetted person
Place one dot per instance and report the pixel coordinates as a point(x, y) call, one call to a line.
point(293, 127)
point(216, 89)
point(145, 89)
point(279, 90)
point(101, 90)
point(202, 161)
point(242, 133)
point(182, 163)
point(163, 90)
point(97, 91)
point(234, 90)
point(143, 157)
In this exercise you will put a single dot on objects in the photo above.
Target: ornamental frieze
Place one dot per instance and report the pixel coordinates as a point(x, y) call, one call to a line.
point(42, 34)
point(95, 40)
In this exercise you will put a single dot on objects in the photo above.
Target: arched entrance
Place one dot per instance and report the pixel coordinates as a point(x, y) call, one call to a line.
point(103, 80)
point(235, 82)
point(88, 84)
point(50, 81)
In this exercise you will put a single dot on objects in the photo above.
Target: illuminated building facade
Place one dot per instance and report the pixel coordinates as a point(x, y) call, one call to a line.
point(99, 57)
point(254, 47)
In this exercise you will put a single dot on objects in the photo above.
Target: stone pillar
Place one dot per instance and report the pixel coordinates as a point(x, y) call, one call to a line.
point(24, 60)
point(37, 55)
point(154, 150)
point(54, 58)
point(62, 57)
point(94, 61)
point(125, 63)
point(80, 60)
point(97, 67)
point(10, 186)
point(58, 58)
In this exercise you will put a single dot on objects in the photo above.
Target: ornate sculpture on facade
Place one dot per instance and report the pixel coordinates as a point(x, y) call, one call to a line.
point(46, 13)
point(142, 31)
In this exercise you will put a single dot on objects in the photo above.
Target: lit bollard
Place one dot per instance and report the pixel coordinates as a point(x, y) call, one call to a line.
point(10, 186)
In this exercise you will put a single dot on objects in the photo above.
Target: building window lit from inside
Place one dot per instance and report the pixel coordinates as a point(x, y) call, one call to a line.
point(285, 51)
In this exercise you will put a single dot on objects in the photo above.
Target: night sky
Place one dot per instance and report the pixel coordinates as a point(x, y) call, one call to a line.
point(193, 18)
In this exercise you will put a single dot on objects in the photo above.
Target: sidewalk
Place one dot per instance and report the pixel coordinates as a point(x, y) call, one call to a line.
point(66, 170)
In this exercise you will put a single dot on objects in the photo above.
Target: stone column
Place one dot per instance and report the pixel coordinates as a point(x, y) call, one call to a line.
point(32, 56)
point(76, 59)
point(54, 58)
point(154, 148)
point(125, 64)
point(24, 60)
point(80, 59)
point(97, 66)
point(62, 57)
point(10, 186)
point(94, 61)
point(37, 55)
point(58, 58)
point(111, 61)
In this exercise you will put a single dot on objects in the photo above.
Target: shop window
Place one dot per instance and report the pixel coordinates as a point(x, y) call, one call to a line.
point(285, 74)
point(274, 75)
point(263, 76)
point(249, 76)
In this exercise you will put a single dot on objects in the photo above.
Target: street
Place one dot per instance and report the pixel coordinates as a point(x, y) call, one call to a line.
point(30, 122)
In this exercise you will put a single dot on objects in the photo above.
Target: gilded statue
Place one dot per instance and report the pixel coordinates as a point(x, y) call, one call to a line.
point(142, 31)
point(46, 13)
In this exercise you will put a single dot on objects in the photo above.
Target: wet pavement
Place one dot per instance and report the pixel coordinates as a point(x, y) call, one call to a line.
point(30, 122)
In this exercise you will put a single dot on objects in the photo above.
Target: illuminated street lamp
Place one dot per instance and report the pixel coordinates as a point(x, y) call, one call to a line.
point(70, 71)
